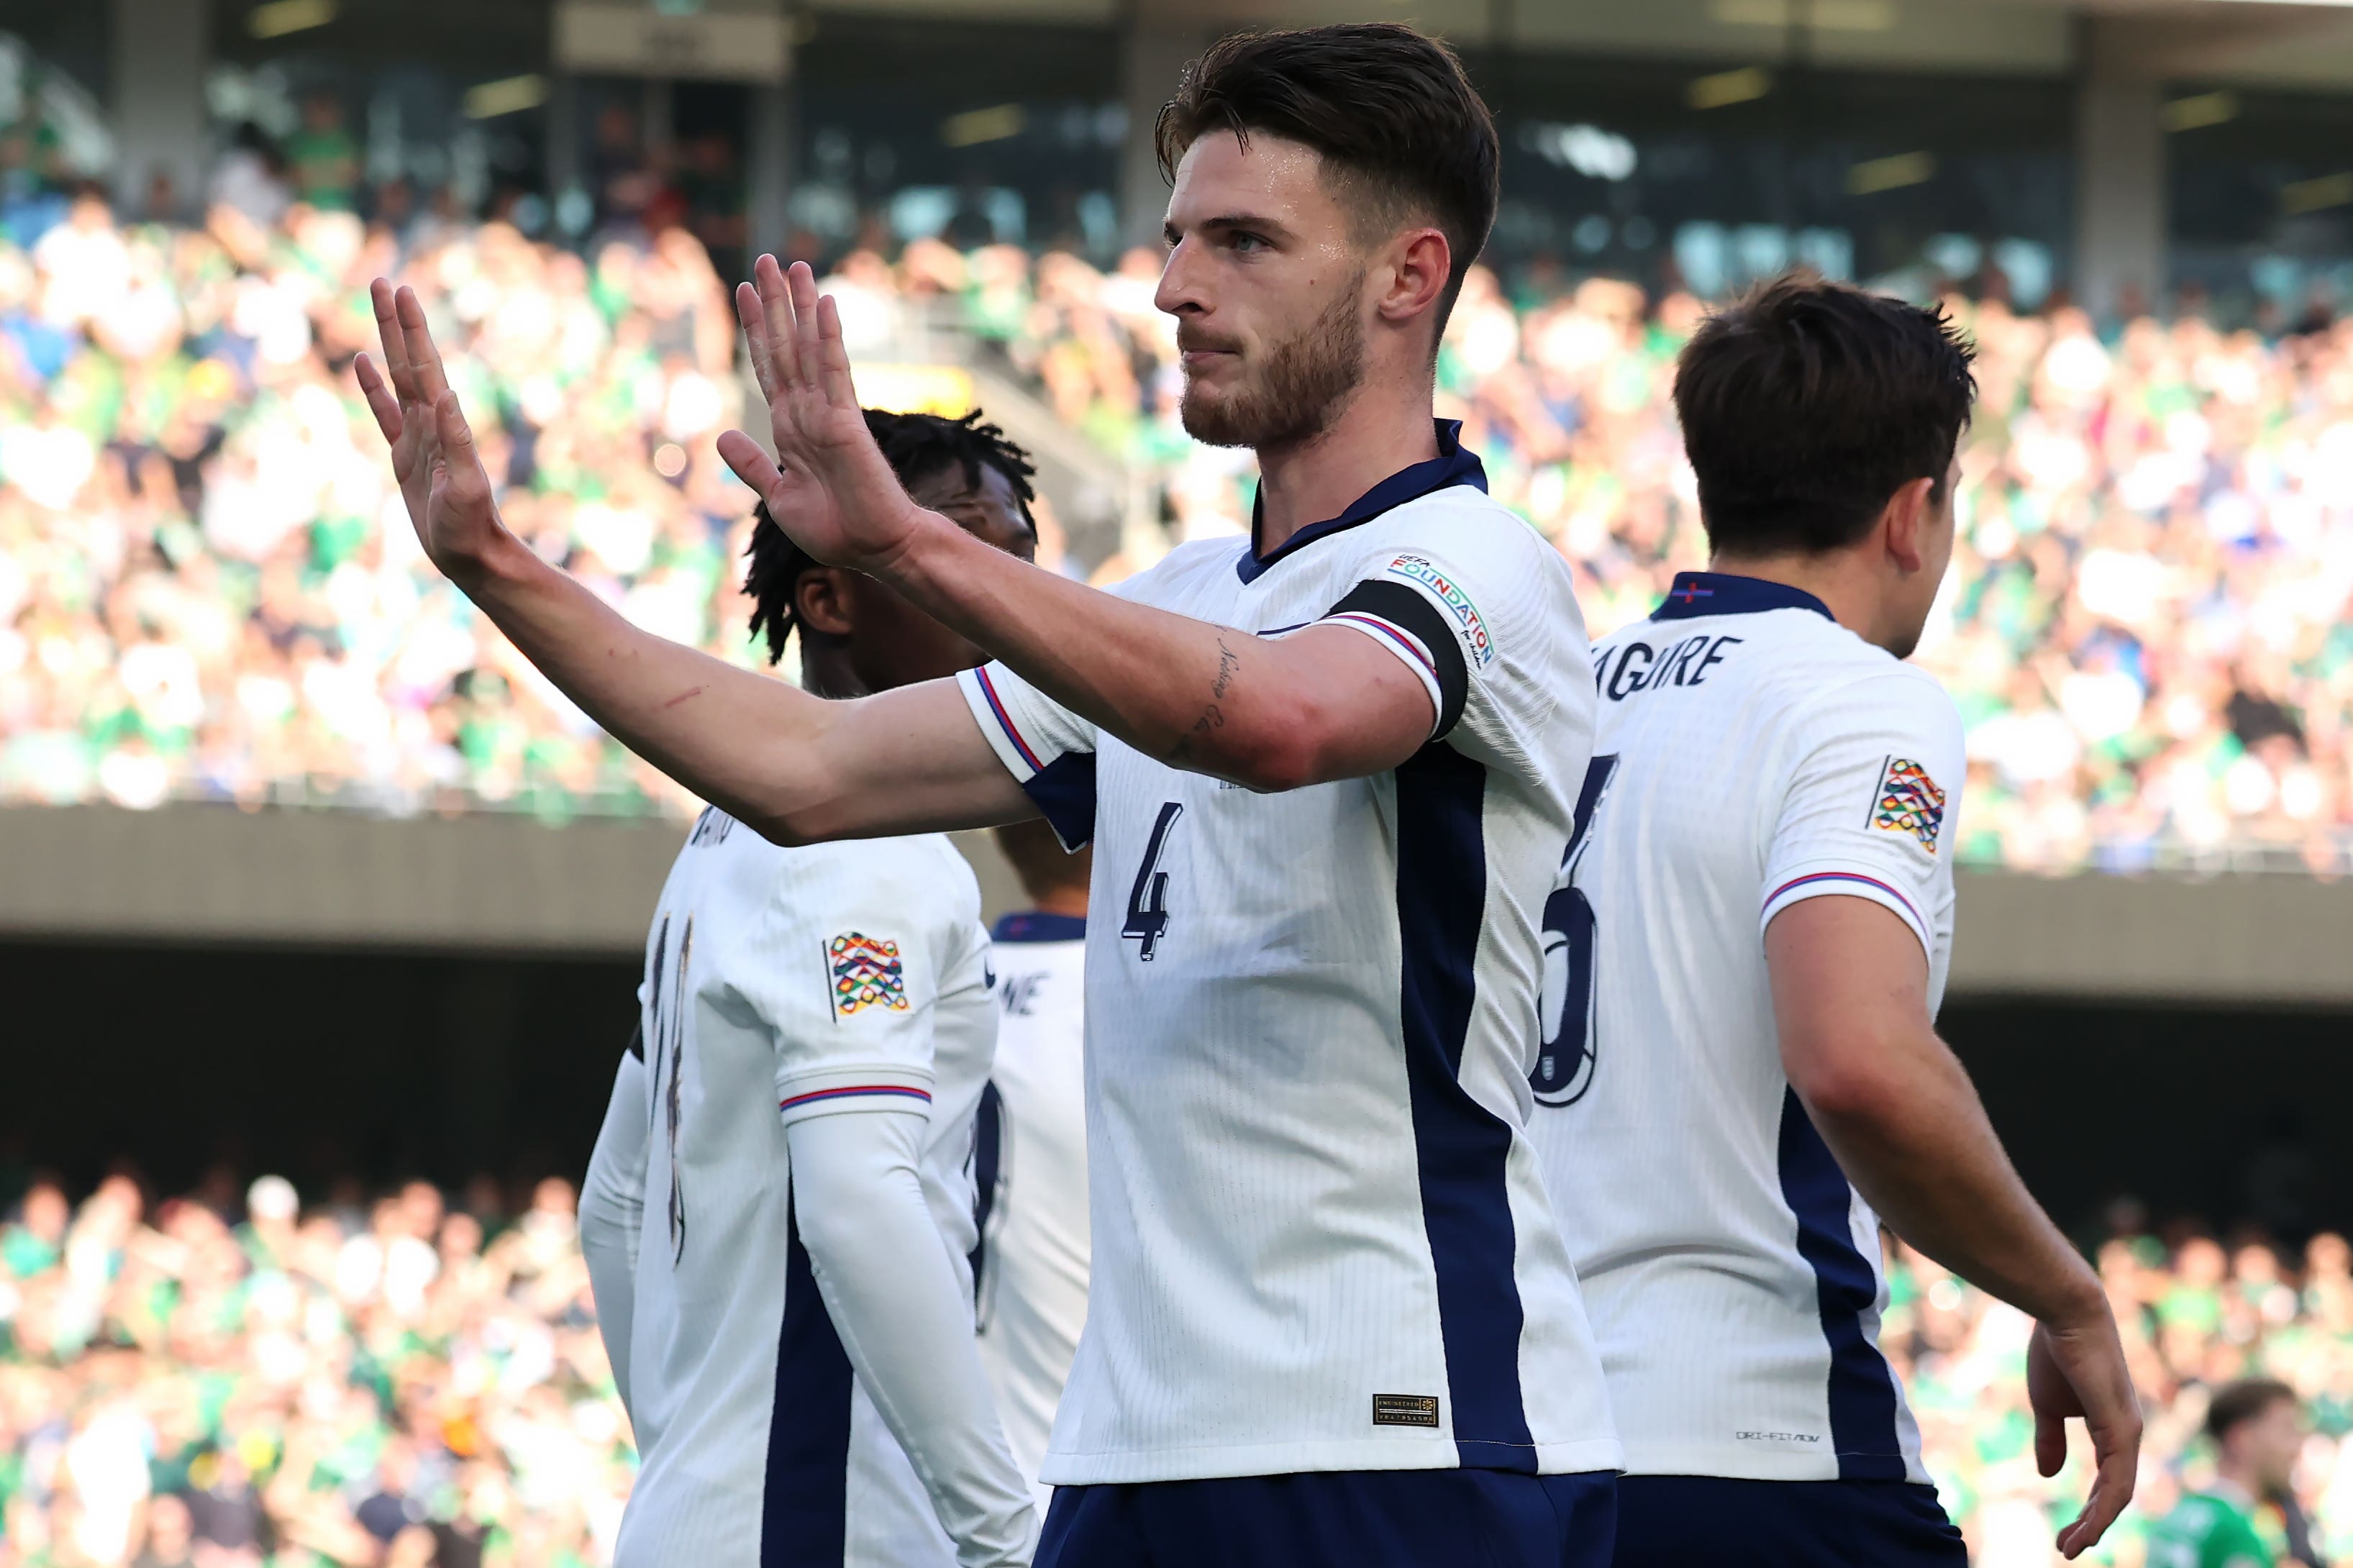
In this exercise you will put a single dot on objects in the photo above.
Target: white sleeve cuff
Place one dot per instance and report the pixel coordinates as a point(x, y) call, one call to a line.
point(1407, 649)
point(990, 710)
point(1845, 881)
point(833, 1091)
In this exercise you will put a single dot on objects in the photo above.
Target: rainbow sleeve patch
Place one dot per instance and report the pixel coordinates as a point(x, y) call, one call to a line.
point(866, 975)
point(1909, 802)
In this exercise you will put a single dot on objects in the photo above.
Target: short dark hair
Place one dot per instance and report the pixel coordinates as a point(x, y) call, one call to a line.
point(1388, 108)
point(2236, 1403)
point(1806, 404)
point(916, 446)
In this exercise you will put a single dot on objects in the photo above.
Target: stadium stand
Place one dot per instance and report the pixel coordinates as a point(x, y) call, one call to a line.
point(359, 1382)
point(206, 591)
point(380, 1379)
point(209, 599)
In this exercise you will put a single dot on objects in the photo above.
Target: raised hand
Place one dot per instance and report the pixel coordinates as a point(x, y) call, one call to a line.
point(441, 476)
point(835, 494)
point(2079, 1371)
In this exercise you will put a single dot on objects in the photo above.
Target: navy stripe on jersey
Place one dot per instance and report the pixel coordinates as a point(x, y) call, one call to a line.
point(1064, 790)
point(1064, 793)
point(1451, 466)
point(1862, 1389)
point(803, 1518)
point(1461, 1148)
point(988, 1165)
point(1699, 593)
point(1401, 607)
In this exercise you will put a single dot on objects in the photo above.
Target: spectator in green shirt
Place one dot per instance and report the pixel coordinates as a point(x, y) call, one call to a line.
point(2257, 1427)
point(322, 157)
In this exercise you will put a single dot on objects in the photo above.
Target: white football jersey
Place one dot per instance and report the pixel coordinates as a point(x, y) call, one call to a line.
point(1320, 1236)
point(1031, 1272)
point(1750, 753)
point(782, 984)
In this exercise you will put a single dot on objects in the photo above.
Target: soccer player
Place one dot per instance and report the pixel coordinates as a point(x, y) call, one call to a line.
point(1326, 772)
point(1750, 937)
point(2257, 1427)
point(613, 1205)
point(780, 1209)
point(1032, 1167)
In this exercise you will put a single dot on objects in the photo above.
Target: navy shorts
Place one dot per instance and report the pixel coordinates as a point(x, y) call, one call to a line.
point(1340, 1519)
point(1676, 1522)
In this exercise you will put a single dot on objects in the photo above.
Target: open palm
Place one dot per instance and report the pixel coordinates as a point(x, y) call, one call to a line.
point(441, 477)
point(830, 488)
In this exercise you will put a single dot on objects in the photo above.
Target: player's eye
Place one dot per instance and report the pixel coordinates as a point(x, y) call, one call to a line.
point(1247, 243)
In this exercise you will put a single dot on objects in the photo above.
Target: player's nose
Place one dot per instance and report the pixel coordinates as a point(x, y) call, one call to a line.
point(1183, 285)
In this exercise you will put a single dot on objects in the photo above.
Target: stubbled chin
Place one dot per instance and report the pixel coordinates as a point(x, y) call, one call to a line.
point(1200, 401)
point(1211, 422)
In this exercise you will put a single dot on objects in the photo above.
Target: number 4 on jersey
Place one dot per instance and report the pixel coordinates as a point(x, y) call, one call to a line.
point(1147, 902)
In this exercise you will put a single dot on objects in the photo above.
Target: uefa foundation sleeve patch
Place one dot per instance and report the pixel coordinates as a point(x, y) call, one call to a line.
point(1422, 570)
point(867, 974)
point(1909, 802)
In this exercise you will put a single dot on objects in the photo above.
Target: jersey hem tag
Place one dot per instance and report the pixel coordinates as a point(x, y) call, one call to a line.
point(1405, 1410)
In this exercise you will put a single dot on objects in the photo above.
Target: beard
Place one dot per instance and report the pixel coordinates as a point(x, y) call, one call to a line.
point(1298, 391)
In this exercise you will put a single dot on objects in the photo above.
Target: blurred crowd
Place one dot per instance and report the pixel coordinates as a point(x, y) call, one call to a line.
point(228, 1380)
point(2195, 1315)
point(208, 589)
point(2146, 622)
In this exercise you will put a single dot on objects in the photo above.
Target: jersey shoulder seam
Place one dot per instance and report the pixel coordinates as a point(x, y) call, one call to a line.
point(1184, 559)
point(1886, 666)
point(1466, 501)
point(845, 873)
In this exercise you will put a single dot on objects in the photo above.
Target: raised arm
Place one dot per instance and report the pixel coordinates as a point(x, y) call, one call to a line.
point(1265, 712)
point(793, 766)
point(1850, 997)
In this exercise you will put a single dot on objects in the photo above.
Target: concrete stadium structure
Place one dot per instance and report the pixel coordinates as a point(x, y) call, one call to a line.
point(2128, 81)
point(508, 886)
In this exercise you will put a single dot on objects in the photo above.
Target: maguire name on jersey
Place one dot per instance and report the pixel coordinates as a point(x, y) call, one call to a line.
point(1750, 752)
point(782, 984)
point(1321, 1240)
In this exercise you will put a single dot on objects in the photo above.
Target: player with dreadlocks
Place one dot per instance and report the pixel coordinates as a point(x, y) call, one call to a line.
point(794, 1338)
point(978, 476)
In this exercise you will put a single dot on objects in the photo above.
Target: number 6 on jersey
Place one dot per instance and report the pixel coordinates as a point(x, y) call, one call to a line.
point(1147, 902)
point(1566, 1059)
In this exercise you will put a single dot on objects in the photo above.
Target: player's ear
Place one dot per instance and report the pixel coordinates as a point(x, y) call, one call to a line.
point(1906, 523)
point(822, 597)
point(1418, 265)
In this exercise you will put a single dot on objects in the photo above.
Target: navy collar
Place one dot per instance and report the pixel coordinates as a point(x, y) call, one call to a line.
point(1722, 593)
point(1451, 466)
point(1035, 925)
